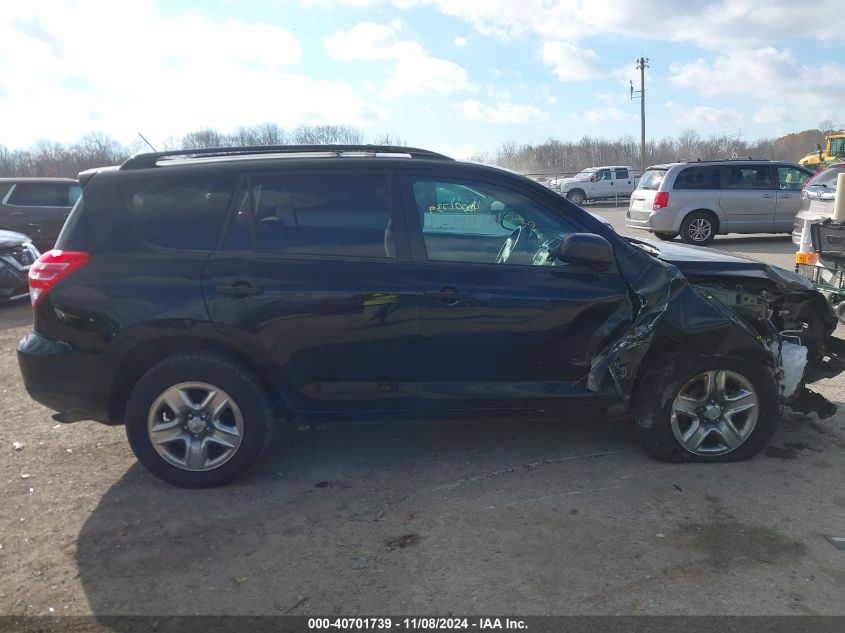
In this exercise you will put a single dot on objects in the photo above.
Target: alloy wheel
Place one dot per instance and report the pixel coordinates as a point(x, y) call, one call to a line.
point(714, 413)
point(195, 426)
point(699, 230)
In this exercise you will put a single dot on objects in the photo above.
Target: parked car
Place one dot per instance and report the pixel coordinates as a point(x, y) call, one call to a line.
point(37, 207)
point(198, 296)
point(817, 199)
point(17, 254)
point(698, 200)
point(597, 183)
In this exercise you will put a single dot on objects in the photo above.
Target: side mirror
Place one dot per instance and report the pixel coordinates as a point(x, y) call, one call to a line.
point(594, 178)
point(586, 250)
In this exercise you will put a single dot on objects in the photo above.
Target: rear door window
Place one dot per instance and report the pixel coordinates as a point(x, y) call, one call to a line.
point(179, 212)
point(706, 177)
point(325, 215)
point(622, 174)
point(748, 177)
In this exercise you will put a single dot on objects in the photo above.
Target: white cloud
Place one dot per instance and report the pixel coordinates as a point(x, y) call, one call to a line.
point(74, 72)
point(502, 112)
point(602, 115)
point(770, 74)
point(459, 41)
point(571, 63)
point(415, 71)
point(701, 116)
point(769, 114)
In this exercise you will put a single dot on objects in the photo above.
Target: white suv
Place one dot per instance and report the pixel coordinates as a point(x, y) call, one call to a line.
point(698, 200)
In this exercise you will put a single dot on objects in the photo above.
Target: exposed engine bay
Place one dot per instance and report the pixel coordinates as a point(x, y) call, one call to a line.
point(796, 327)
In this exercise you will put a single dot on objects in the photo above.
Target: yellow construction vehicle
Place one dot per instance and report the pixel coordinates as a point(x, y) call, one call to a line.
point(833, 152)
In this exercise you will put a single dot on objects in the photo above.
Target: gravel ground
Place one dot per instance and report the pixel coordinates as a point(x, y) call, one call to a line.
point(508, 516)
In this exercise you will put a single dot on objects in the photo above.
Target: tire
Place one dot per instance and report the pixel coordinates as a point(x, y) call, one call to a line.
point(228, 439)
point(576, 196)
point(666, 237)
point(699, 228)
point(672, 382)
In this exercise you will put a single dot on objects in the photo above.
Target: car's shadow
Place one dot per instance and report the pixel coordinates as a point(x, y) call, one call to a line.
point(516, 515)
point(318, 520)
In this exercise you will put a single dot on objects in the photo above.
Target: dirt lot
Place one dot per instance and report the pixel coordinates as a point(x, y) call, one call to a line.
point(519, 516)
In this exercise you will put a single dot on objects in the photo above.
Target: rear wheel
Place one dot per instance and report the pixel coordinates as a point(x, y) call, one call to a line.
point(197, 420)
point(699, 228)
point(694, 409)
point(666, 237)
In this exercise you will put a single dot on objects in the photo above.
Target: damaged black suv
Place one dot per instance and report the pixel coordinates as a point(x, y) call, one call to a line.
point(199, 296)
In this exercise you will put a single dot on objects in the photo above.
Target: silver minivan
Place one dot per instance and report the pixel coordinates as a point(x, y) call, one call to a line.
point(698, 200)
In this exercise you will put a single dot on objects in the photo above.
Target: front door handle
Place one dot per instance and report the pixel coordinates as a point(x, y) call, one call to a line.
point(785, 195)
point(239, 290)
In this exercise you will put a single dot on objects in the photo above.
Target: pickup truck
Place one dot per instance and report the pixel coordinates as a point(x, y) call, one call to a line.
point(596, 183)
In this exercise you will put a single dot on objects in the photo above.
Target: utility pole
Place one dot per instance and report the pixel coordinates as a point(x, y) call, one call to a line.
point(642, 64)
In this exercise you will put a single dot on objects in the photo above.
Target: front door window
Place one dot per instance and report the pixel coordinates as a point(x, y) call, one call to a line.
point(484, 224)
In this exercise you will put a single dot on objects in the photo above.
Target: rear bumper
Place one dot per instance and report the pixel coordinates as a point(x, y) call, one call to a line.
point(649, 221)
point(64, 378)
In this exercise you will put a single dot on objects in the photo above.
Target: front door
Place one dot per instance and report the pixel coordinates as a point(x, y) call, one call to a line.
point(503, 327)
point(311, 277)
point(748, 198)
point(790, 181)
point(601, 184)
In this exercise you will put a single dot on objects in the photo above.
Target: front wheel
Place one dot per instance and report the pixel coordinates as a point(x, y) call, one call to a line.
point(198, 420)
point(695, 409)
point(576, 197)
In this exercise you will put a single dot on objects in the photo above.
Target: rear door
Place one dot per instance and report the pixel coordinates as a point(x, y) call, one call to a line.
point(748, 197)
point(312, 277)
point(514, 334)
point(623, 181)
point(39, 209)
point(790, 180)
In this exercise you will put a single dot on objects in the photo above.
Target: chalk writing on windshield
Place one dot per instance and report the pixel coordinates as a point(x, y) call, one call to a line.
point(455, 206)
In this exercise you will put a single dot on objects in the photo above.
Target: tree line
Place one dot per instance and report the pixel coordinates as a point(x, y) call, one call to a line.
point(54, 159)
point(50, 158)
point(562, 157)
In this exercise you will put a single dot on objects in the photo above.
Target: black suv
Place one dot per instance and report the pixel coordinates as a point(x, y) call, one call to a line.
point(198, 296)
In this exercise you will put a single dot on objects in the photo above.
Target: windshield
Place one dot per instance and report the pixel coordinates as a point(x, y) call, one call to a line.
point(837, 146)
point(585, 174)
point(651, 179)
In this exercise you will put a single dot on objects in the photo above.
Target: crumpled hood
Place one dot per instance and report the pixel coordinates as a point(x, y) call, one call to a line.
point(11, 239)
point(696, 260)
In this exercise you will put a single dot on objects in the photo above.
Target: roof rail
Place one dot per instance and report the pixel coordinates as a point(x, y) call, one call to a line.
point(151, 159)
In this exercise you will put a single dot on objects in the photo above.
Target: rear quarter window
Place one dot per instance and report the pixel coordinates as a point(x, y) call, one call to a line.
point(183, 213)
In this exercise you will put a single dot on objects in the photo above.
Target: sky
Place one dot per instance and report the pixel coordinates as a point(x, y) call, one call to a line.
point(457, 76)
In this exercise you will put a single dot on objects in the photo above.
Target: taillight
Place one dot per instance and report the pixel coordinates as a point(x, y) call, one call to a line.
point(661, 200)
point(50, 269)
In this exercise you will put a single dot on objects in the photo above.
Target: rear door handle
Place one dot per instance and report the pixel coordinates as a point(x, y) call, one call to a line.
point(240, 290)
point(768, 195)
